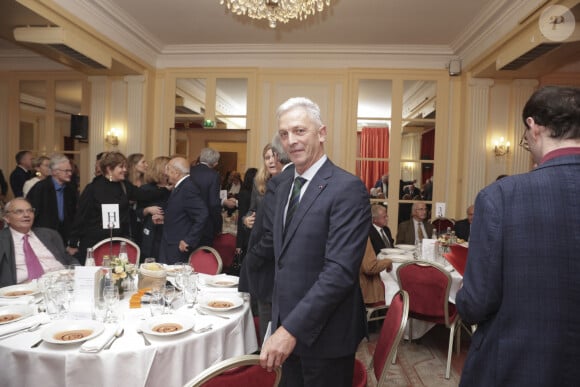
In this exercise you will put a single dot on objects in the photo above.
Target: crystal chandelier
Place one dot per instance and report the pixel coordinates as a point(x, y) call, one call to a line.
point(276, 10)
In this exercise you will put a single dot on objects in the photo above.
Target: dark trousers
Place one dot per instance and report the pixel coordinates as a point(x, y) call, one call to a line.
point(299, 371)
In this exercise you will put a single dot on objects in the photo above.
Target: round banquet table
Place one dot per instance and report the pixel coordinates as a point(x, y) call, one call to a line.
point(169, 361)
point(392, 286)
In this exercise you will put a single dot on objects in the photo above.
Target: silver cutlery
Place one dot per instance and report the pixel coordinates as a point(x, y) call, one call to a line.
point(118, 334)
point(145, 340)
point(205, 313)
point(202, 330)
point(37, 343)
point(23, 330)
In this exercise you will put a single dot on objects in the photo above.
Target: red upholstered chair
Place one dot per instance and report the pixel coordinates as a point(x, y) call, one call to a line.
point(206, 260)
point(225, 244)
point(389, 338)
point(457, 257)
point(102, 248)
point(373, 310)
point(239, 371)
point(428, 287)
point(441, 224)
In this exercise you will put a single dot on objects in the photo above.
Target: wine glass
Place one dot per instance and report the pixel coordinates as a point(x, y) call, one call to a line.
point(169, 294)
point(111, 297)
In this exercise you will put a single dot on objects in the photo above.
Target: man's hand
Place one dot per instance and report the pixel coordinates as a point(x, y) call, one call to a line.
point(249, 220)
point(158, 219)
point(183, 246)
point(276, 349)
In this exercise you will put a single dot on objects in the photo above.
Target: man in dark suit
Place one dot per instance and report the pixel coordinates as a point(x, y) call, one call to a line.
point(521, 283)
point(207, 180)
point(3, 186)
point(45, 243)
point(185, 216)
point(55, 198)
point(380, 234)
point(416, 228)
point(463, 227)
point(319, 238)
point(21, 173)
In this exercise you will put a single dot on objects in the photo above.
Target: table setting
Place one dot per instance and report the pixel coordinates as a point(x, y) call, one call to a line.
point(49, 337)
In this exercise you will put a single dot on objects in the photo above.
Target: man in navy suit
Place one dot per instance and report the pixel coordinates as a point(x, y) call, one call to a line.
point(185, 216)
point(207, 180)
point(463, 227)
point(521, 283)
point(380, 234)
point(319, 234)
point(21, 173)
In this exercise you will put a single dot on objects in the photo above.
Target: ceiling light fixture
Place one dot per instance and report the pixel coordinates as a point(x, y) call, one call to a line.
point(276, 10)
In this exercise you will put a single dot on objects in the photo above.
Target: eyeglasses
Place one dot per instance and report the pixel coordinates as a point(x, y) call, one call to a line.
point(21, 211)
point(524, 142)
point(65, 170)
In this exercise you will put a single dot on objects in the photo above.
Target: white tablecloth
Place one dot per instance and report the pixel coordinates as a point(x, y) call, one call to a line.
point(392, 287)
point(169, 361)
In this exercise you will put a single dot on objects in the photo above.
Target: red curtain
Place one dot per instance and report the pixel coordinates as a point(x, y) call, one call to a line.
point(374, 143)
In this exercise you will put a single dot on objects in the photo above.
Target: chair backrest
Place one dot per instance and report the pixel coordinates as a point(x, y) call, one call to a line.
point(441, 224)
point(225, 244)
point(206, 260)
point(239, 371)
point(428, 287)
point(104, 247)
point(457, 257)
point(391, 334)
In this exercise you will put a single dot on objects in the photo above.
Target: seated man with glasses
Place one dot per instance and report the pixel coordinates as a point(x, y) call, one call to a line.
point(416, 228)
point(25, 252)
point(55, 198)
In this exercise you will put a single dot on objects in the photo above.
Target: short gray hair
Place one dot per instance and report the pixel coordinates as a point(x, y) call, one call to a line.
point(57, 159)
point(278, 149)
point(209, 156)
point(180, 165)
point(311, 108)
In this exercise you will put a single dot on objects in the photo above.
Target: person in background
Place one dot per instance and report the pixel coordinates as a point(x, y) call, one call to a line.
point(55, 198)
point(244, 200)
point(381, 188)
point(151, 212)
point(416, 228)
point(371, 285)
point(380, 234)
point(136, 168)
point(463, 227)
point(27, 252)
point(234, 184)
point(318, 314)
point(521, 283)
point(21, 173)
point(185, 215)
point(207, 180)
point(3, 187)
point(41, 167)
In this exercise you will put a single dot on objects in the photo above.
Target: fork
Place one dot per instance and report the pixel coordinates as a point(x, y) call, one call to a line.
point(145, 340)
point(204, 313)
point(29, 329)
point(118, 334)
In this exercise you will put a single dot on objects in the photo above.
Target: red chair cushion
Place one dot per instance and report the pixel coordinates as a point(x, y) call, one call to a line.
point(225, 244)
point(249, 376)
point(359, 377)
point(389, 331)
point(105, 249)
point(204, 262)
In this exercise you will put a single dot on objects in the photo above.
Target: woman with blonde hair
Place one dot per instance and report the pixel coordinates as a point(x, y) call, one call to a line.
point(136, 169)
point(41, 166)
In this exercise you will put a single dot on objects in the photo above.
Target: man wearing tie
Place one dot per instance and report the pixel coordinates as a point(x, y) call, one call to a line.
point(26, 253)
point(320, 226)
point(380, 234)
point(185, 216)
point(416, 228)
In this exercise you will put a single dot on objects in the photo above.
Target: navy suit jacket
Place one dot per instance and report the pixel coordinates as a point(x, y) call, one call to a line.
point(17, 179)
point(317, 295)
point(377, 241)
point(207, 181)
point(49, 238)
point(521, 284)
point(462, 229)
point(185, 218)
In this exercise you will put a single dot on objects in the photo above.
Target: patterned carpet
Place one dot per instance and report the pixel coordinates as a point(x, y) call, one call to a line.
point(420, 363)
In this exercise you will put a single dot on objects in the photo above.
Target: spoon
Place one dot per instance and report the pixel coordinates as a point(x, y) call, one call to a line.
point(140, 331)
point(29, 329)
point(204, 313)
point(118, 334)
point(37, 343)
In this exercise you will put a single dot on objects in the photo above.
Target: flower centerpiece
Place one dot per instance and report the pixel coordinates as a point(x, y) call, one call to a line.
point(122, 271)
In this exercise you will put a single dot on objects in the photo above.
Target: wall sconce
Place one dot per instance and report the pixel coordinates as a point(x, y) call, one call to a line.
point(112, 137)
point(501, 148)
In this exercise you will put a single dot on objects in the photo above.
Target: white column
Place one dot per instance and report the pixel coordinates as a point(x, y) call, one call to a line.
point(522, 90)
point(135, 130)
point(97, 120)
point(478, 110)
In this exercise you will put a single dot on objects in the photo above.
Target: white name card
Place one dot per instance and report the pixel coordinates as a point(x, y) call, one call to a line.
point(86, 281)
point(440, 210)
point(428, 249)
point(110, 216)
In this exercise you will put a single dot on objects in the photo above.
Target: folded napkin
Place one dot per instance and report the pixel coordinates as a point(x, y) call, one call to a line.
point(24, 323)
point(202, 325)
point(25, 300)
point(99, 342)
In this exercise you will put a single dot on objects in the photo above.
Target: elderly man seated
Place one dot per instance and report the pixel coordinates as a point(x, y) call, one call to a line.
point(416, 228)
point(26, 252)
point(371, 285)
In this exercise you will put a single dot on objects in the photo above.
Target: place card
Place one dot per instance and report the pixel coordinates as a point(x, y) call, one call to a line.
point(440, 210)
point(111, 218)
point(428, 249)
point(85, 290)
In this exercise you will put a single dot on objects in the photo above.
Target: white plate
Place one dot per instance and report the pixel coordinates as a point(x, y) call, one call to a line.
point(223, 281)
point(186, 323)
point(22, 310)
point(51, 330)
point(406, 247)
point(236, 302)
point(30, 287)
point(399, 257)
point(390, 250)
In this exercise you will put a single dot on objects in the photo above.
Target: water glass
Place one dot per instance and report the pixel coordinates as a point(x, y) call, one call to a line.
point(169, 294)
point(190, 289)
point(156, 302)
point(111, 298)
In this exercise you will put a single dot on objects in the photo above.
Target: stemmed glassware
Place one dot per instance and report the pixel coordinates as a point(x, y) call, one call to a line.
point(111, 298)
point(169, 294)
point(190, 289)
